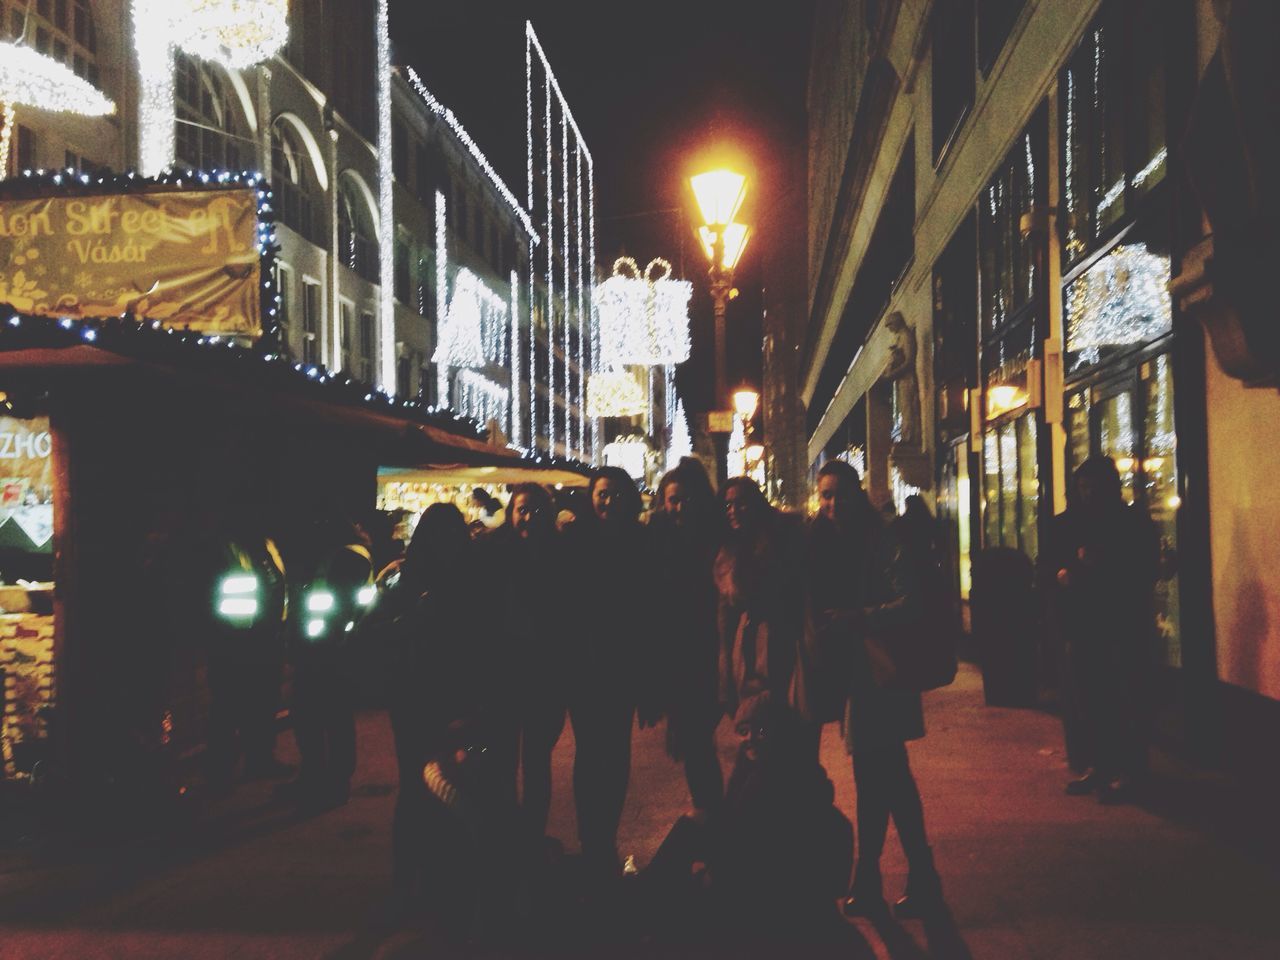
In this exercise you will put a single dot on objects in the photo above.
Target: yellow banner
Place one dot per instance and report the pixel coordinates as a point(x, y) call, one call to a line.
point(188, 259)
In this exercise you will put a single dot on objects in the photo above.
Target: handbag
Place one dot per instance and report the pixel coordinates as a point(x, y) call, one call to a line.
point(821, 684)
point(918, 654)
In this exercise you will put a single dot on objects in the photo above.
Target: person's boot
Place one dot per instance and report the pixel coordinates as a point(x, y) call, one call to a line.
point(923, 896)
point(866, 894)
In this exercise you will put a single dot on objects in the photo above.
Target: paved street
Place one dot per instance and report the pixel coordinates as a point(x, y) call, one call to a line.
point(1029, 872)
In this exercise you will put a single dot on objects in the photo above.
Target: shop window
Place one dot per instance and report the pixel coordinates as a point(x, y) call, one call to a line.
point(283, 277)
point(311, 319)
point(25, 148)
point(1010, 250)
point(26, 594)
point(293, 180)
point(1113, 112)
point(953, 72)
point(356, 247)
point(422, 173)
point(1121, 302)
point(207, 133)
point(1011, 500)
point(955, 345)
point(62, 30)
point(403, 272)
point(955, 515)
point(995, 22)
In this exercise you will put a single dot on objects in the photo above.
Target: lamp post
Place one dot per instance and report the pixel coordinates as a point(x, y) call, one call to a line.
point(719, 194)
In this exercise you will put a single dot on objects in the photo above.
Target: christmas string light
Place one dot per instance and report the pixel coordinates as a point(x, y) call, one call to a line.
point(630, 453)
point(481, 399)
point(386, 208)
point(517, 428)
point(551, 280)
point(440, 110)
point(615, 393)
point(235, 33)
point(1122, 300)
point(442, 289)
point(568, 302)
point(6, 136)
point(643, 318)
point(582, 313)
point(31, 79)
point(681, 443)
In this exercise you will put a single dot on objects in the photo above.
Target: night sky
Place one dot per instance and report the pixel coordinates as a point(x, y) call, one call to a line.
point(659, 90)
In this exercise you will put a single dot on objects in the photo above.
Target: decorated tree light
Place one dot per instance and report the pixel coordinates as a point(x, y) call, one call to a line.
point(615, 393)
point(31, 79)
point(461, 335)
point(681, 442)
point(1122, 300)
point(643, 317)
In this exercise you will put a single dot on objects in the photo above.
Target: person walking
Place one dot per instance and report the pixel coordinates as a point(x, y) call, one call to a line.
point(327, 605)
point(688, 530)
point(861, 579)
point(1105, 558)
point(610, 668)
point(527, 557)
point(439, 674)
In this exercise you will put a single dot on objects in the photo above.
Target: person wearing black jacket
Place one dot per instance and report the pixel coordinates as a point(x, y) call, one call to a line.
point(1103, 556)
point(526, 556)
point(859, 574)
point(688, 531)
point(610, 664)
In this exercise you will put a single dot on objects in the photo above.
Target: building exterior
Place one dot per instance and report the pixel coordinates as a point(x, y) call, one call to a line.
point(999, 198)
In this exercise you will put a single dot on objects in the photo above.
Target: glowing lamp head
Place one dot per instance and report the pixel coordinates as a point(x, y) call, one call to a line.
point(238, 610)
point(315, 628)
point(365, 595)
point(1003, 398)
point(754, 453)
point(719, 194)
point(736, 236)
point(745, 402)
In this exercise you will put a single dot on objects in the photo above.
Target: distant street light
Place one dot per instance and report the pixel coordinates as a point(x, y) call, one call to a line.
point(719, 194)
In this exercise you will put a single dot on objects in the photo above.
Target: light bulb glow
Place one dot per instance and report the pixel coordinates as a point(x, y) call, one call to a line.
point(643, 318)
point(315, 627)
point(239, 584)
point(237, 608)
point(719, 194)
point(745, 403)
point(615, 393)
point(235, 33)
point(320, 601)
point(29, 78)
point(365, 595)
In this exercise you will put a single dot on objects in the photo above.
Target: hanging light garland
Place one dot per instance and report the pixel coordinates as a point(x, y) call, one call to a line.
point(235, 33)
point(1123, 300)
point(28, 78)
point(643, 317)
point(615, 393)
point(461, 334)
point(681, 441)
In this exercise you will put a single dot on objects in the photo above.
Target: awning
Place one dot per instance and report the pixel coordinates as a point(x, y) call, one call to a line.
point(458, 475)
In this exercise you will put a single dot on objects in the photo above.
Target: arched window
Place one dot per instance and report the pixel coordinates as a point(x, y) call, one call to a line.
point(62, 29)
point(356, 245)
point(208, 136)
point(292, 179)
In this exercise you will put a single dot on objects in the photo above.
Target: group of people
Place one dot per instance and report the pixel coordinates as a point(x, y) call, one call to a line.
point(704, 607)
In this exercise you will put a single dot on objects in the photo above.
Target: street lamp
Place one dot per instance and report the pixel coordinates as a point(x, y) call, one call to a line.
point(719, 194)
point(745, 402)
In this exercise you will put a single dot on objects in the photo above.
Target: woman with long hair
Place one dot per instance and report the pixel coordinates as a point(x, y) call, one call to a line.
point(859, 575)
point(688, 530)
point(526, 555)
point(609, 671)
point(759, 573)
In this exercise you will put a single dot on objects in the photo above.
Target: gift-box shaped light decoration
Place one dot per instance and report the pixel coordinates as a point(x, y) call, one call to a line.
point(643, 317)
point(615, 393)
point(631, 453)
point(461, 335)
point(236, 33)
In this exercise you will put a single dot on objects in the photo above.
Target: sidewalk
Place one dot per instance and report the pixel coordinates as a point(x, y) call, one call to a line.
point(1028, 871)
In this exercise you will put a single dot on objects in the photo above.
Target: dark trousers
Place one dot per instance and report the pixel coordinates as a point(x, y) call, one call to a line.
point(601, 771)
point(691, 735)
point(243, 697)
point(324, 725)
point(885, 787)
point(417, 816)
point(1110, 686)
point(540, 727)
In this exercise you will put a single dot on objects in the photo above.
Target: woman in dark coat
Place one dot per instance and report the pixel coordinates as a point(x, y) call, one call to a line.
point(439, 673)
point(527, 559)
point(760, 577)
point(860, 575)
point(610, 667)
point(687, 531)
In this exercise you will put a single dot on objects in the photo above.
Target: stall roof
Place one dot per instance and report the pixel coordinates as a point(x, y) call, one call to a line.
point(413, 438)
point(458, 475)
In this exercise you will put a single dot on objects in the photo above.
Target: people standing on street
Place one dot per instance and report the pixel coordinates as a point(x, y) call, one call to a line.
point(610, 660)
point(328, 603)
point(1105, 556)
point(441, 678)
point(243, 604)
point(861, 579)
point(528, 564)
point(688, 530)
point(759, 573)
